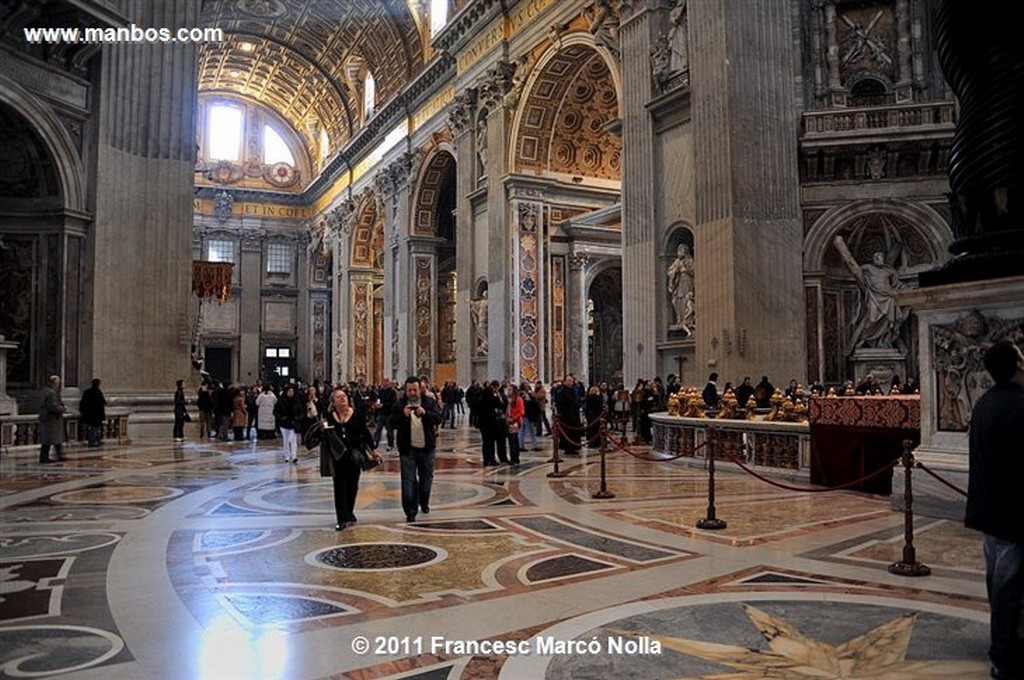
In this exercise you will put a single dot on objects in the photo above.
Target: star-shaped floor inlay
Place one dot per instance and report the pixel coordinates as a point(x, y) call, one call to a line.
point(878, 653)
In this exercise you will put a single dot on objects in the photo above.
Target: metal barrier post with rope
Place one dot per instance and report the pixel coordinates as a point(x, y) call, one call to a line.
point(555, 430)
point(603, 492)
point(908, 566)
point(711, 522)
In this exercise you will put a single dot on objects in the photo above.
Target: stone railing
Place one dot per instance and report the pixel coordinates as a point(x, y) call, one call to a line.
point(873, 120)
point(24, 430)
point(769, 447)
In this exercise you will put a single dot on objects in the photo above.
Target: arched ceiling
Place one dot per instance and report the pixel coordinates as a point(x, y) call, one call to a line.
point(563, 126)
point(292, 54)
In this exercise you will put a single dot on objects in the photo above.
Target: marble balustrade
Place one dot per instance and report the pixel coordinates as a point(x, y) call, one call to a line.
point(777, 449)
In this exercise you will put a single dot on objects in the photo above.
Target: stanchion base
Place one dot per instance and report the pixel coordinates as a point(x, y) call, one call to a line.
point(713, 524)
point(909, 569)
point(560, 473)
point(551, 461)
point(602, 494)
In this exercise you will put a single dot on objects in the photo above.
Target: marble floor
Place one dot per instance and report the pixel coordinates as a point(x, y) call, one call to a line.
point(219, 560)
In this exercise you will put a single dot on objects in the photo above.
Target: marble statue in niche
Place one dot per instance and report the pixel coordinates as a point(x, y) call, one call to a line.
point(680, 290)
point(878, 318)
point(478, 315)
point(604, 25)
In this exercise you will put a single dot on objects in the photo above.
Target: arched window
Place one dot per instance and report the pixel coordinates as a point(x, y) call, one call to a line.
point(869, 92)
point(438, 16)
point(369, 95)
point(225, 132)
point(274, 148)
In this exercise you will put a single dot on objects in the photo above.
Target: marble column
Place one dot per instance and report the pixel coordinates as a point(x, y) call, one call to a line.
point(465, 240)
point(139, 291)
point(341, 248)
point(422, 289)
point(492, 88)
point(394, 185)
point(249, 361)
point(639, 234)
point(576, 311)
point(748, 236)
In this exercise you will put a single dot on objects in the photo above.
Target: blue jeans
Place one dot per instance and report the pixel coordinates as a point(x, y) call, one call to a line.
point(526, 428)
point(1004, 577)
point(417, 467)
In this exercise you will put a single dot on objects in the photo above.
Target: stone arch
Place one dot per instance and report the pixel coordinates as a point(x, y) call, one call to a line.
point(571, 99)
point(367, 234)
point(928, 236)
point(47, 125)
point(429, 189)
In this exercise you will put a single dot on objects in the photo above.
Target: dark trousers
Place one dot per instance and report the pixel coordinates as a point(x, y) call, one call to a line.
point(417, 467)
point(346, 486)
point(448, 414)
point(239, 433)
point(513, 447)
point(205, 424)
point(179, 426)
point(382, 424)
point(95, 435)
point(543, 423)
point(494, 443)
point(1004, 577)
point(44, 452)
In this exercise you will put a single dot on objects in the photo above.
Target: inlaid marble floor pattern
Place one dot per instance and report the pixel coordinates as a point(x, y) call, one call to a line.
point(221, 561)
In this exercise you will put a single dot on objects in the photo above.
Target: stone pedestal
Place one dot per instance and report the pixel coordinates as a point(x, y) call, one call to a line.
point(956, 324)
point(882, 363)
point(8, 406)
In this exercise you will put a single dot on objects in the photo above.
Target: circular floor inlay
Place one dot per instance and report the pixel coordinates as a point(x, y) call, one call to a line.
point(379, 556)
point(119, 494)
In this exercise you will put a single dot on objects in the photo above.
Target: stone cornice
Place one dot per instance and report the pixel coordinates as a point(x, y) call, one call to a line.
point(464, 24)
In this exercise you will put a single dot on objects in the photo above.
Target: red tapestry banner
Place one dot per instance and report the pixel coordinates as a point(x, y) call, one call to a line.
point(895, 412)
point(211, 279)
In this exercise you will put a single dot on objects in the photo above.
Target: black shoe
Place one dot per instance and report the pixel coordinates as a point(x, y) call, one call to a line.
point(339, 527)
point(410, 518)
point(425, 509)
point(352, 520)
point(1004, 674)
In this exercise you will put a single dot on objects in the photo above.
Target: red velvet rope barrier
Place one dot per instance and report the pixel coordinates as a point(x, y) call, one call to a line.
point(581, 428)
point(810, 489)
point(935, 475)
point(562, 435)
point(622, 447)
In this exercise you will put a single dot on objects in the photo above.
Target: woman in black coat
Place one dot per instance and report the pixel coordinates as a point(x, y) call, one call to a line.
point(341, 431)
point(493, 424)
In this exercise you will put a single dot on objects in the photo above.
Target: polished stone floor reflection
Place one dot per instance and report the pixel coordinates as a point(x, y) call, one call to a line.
point(221, 561)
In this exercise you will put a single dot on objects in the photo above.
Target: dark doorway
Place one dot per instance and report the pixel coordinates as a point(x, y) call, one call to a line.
point(604, 327)
point(218, 363)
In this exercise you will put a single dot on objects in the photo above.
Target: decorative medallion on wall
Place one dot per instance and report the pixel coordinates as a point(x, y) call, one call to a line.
point(960, 375)
point(529, 354)
point(424, 277)
point(280, 174)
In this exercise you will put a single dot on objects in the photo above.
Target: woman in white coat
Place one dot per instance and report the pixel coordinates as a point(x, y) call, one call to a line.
point(265, 423)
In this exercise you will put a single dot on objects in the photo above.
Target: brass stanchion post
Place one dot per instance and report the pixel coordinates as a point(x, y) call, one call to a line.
point(603, 492)
point(557, 427)
point(908, 566)
point(711, 522)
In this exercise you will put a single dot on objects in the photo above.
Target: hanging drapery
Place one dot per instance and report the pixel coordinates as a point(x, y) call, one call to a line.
point(211, 280)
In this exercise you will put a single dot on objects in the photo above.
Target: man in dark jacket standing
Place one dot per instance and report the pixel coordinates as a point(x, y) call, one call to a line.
point(415, 418)
point(710, 393)
point(93, 410)
point(995, 504)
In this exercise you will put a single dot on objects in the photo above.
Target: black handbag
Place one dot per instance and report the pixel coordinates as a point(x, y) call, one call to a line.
point(359, 456)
